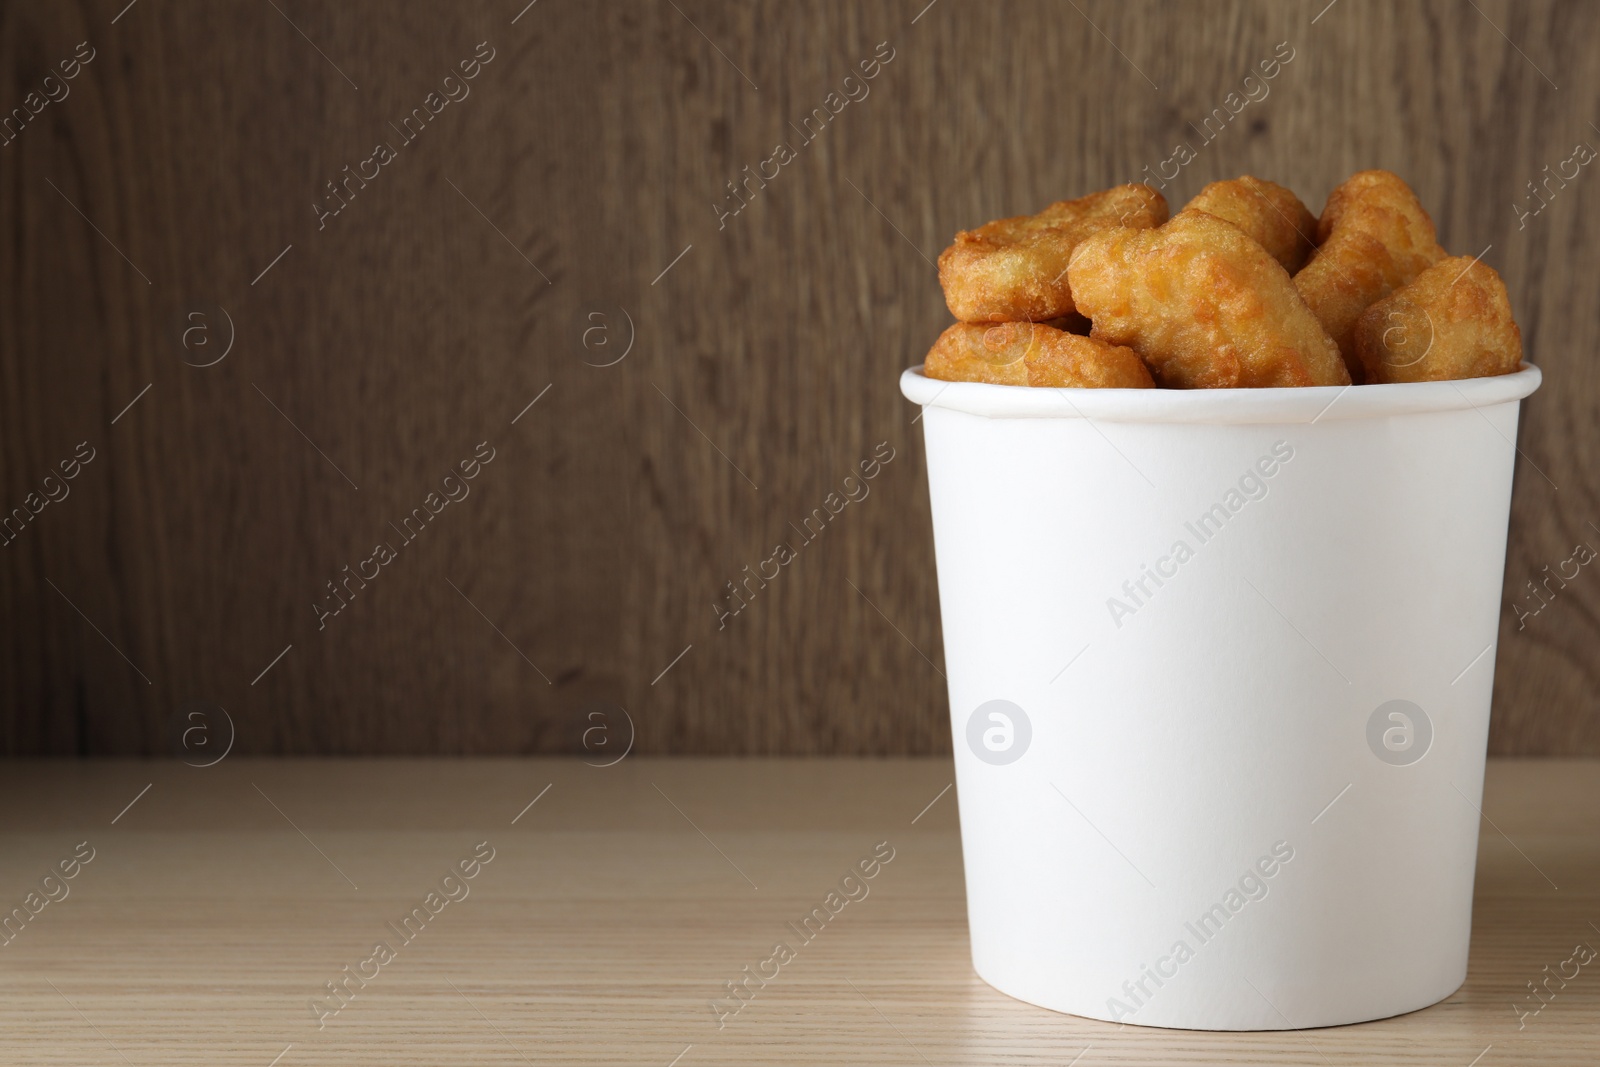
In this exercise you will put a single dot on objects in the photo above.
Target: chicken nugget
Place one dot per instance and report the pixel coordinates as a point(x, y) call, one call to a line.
point(1453, 321)
point(1375, 237)
point(1066, 360)
point(1016, 269)
point(1270, 213)
point(1204, 305)
point(1380, 202)
point(1030, 353)
point(978, 352)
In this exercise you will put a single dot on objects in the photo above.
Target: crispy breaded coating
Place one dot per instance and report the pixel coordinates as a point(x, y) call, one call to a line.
point(1028, 353)
point(1270, 213)
point(1204, 305)
point(1453, 321)
point(975, 352)
point(1380, 202)
point(1375, 237)
point(1348, 272)
point(1066, 360)
point(1015, 270)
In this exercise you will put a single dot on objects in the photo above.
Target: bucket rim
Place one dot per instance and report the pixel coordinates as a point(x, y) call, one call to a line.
point(1302, 405)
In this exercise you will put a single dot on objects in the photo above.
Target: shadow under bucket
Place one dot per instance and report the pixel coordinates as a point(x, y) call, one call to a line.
point(1220, 665)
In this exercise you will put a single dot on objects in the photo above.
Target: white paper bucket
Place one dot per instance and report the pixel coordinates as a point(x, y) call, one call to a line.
point(1232, 785)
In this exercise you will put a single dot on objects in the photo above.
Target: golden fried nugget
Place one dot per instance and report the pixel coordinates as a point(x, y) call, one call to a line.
point(1016, 269)
point(1066, 360)
point(974, 352)
point(1379, 202)
point(1375, 237)
point(1029, 353)
point(1453, 321)
point(1204, 305)
point(1271, 214)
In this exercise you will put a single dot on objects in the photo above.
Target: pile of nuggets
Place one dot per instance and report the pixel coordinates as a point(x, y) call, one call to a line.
point(1243, 288)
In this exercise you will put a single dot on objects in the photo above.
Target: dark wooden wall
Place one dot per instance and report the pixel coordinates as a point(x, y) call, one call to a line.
point(577, 187)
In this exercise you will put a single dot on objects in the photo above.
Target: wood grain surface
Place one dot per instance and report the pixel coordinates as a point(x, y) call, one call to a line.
point(575, 208)
point(221, 902)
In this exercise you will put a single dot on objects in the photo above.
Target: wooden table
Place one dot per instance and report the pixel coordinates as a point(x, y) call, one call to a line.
point(617, 906)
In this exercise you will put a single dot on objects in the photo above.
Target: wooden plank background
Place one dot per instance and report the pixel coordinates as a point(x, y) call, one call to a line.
point(577, 187)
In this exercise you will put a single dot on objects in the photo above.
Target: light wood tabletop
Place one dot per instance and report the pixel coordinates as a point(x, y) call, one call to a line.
point(202, 915)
